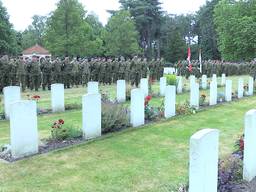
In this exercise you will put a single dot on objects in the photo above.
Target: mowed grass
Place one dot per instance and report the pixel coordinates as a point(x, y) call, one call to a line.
point(150, 158)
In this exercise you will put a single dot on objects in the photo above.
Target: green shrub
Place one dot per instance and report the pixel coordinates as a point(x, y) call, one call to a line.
point(114, 117)
point(60, 132)
point(171, 79)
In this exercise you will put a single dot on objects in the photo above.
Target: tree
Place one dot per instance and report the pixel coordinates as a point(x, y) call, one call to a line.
point(147, 15)
point(236, 25)
point(68, 33)
point(8, 44)
point(207, 35)
point(121, 37)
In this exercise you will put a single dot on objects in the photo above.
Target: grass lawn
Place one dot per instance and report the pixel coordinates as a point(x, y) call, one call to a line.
point(150, 158)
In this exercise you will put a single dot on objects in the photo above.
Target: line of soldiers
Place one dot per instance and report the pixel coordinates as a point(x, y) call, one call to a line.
point(33, 74)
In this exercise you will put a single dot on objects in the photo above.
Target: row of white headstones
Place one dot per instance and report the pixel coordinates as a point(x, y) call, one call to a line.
point(23, 113)
point(204, 156)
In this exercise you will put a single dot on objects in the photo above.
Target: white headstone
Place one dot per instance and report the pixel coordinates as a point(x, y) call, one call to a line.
point(192, 81)
point(180, 85)
point(11, 94)
point(23, 127)
point(121, 91)
point(214, 78)
point(92, 116)
point(162, 86)
point(137, 108)
point(144, 86)
point(240, 91)
point(194, 95)
point(170, 101)
point(204, 82)
point(57, 98)
point(213, 93)
point(228, 90)
point(223, 79)
point(93, 87)
point(250, 86)
point(203, 161)
point(249, 165)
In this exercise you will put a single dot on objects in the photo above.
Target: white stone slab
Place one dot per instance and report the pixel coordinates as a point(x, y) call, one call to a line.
point(144, 86)
point(192, 81)
point(57, 97)
point(137, 108)
point(91, 116)
point(180, 85)
point(11, 94)
point(204, 82)
point(203, 161)
point(223, 79)
point(23, 128)
point(213, 93)
point(93, 87)
point(162, 86)
point(228, 90)
point(240, 90)
point(250, 86)
point(214, 78)
point(249, 165)
point(194, 95)
point(170, 101)
point(121, 91)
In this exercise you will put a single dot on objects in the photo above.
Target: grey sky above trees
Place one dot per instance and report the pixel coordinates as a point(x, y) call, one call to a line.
point(21, 12)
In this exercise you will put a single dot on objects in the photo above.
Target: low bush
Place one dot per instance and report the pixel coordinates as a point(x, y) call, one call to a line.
point(184, 109)
point(171, 79)
point(60, 132)
point(114, 117)
point(153, 113)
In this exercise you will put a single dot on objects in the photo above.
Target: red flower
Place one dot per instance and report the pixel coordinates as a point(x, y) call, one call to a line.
point(61, 121)
point(148, 98)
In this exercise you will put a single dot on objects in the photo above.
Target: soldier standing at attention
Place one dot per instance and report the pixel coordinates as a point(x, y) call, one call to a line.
point(35, 74)
point(86, 72)
point(46, 68)
point(21, 73)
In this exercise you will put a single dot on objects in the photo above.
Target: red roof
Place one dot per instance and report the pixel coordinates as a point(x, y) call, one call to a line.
point(37, 49)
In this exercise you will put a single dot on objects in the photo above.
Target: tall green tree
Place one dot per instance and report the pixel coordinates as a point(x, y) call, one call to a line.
point(68, 33)
point(8, 43)
point(121, 37)
point(147, 15)
point(207, 34)
point(236, 25)
point(35, 32)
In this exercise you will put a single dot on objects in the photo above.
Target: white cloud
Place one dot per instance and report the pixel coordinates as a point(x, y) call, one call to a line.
point(22, 11)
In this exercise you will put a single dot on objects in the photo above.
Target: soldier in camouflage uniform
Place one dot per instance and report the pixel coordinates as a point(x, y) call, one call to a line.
point(21, 73)
point(127, 69)
point(57, 71)
point(86, 72)
point(122, 68)
point(67, 69)
point(35, 74)
point(75, 72)
point(144, 68)
point(46, 68)
point(13, 72)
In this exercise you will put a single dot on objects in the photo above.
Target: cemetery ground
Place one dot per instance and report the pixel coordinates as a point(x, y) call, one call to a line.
point(153, 157)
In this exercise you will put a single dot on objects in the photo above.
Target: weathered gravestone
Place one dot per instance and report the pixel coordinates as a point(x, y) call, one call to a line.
point(213, 93)
point(162, 86)
point(93, 87)
point(228, 90)
point(194, 95)
point(249, 165)
point(23, 128)
point(240, 91)
point(57, 98)
point(144, 86)
point(204, 82)
point(121, 91)
point(203, 161)
point(91, 116)
point(137, 108)
point(192, 81)
point(170, 101)
point(180, 85)
point(11, 94)
point(250, 86)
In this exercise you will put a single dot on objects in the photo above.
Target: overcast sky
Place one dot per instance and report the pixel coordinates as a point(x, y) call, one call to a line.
point(21, 11)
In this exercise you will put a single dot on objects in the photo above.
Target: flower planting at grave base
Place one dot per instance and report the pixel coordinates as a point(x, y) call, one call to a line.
point(152, 113)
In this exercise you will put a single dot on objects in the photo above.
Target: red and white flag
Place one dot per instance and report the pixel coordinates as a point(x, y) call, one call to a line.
point(188, 59)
